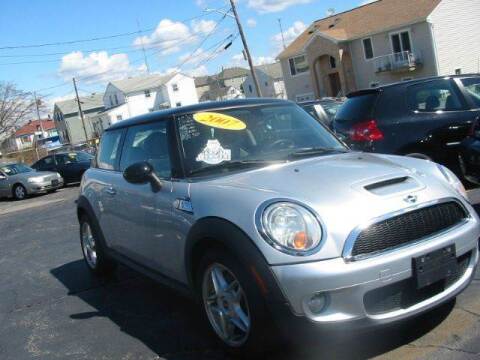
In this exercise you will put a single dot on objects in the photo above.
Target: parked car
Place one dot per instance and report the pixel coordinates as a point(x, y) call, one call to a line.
point(70, 165)
point(256, 209)
point(17, 181)
point(424, 118)
point(324, 110)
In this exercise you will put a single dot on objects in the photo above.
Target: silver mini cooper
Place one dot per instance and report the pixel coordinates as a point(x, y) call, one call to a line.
point(264, 216)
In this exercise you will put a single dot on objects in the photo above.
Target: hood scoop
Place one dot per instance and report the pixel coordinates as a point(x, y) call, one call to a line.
point(393, 185)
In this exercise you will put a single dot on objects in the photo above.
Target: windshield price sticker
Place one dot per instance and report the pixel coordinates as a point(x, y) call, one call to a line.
point(219, 121)
point(214, 153)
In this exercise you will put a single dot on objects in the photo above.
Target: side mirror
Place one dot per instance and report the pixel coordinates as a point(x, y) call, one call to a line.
point(142, 173)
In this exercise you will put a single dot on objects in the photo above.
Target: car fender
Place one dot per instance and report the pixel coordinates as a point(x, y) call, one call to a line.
point(214, 231)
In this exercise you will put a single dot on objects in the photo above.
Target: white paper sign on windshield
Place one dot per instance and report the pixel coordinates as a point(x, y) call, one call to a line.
point(214, 153)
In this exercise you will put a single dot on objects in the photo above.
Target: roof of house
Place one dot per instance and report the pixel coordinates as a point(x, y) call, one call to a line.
point(94, 101)
point(141, 83)
point(202, 80)
point(234, 72)
point(31, 127)
point(380, 15)
point(273, 70)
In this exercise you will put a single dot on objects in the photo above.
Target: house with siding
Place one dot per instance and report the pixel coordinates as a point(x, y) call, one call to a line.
point(227, 84)
point(69, 123)
point(134, 96)
point(382, 42)
point(270, 79)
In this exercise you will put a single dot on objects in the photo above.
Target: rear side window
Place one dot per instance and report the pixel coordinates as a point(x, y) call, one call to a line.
point(432, 96)
point(147, 143)
point(357, 108)
point(108, 153)
point(472, 87)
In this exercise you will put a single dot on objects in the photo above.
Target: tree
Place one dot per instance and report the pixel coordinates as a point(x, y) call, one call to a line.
point(16, 106)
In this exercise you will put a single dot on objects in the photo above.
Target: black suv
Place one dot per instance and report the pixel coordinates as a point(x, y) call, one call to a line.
point(425, 118)
point(70, 165)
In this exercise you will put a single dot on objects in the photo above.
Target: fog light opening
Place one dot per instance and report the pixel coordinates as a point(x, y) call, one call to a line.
point(317, 303)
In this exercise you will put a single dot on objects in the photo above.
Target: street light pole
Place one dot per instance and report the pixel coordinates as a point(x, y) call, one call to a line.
point(80, 110)
point(247, 51)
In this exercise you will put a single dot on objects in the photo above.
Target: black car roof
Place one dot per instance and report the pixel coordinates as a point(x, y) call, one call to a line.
point(206, 106)
point(403, 83)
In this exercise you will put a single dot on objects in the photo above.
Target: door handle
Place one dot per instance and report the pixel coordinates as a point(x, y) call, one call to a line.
point(111, 191)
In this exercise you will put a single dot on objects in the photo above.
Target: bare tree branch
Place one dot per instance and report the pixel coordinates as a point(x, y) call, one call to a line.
point(16, 106)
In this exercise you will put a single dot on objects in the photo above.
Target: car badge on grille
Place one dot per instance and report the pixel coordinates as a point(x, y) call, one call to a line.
point(411, 199)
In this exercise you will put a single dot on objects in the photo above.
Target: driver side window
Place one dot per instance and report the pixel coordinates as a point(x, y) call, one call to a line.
point(147, 143)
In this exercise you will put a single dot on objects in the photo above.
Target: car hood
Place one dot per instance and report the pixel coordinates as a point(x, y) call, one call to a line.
point(345, 191)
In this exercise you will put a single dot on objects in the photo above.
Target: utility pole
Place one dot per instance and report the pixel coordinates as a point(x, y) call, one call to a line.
point(80, 109)
point(281, 32)
point(143, 47)
point(247, 51)
point(40, 121)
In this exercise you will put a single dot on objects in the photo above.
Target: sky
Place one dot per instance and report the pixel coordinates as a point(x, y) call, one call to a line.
point(178, 36)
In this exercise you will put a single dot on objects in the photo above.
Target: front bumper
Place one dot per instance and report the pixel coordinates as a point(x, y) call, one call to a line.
point(346, 284)
point(35, 188)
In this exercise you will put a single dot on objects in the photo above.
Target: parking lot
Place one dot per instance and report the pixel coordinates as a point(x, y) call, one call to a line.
point(50, 306)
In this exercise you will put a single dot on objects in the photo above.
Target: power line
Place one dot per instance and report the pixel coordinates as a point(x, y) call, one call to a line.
point(70, 42)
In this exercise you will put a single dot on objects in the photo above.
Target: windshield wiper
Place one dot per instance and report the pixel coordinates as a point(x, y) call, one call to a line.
point(312, 151)
point(233, 165)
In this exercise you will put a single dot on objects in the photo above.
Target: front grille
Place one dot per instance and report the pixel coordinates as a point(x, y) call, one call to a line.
point(407, 228)
point(404, 294)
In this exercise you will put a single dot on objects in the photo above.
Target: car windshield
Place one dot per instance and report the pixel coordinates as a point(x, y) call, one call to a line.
point(14, 169)
point(331, 107)
point(472, 86)
point(223, 140)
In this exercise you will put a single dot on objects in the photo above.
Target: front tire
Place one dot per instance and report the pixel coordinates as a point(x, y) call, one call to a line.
point(233, 304)
point(19, 192)
point(93, 252)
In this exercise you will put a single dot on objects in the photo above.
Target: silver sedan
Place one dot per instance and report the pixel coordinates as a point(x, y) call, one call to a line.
point(17, 181)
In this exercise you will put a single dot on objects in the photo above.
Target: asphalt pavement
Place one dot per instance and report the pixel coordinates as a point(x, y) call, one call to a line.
point(52, 308)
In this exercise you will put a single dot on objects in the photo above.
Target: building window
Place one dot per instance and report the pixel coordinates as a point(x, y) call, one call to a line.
point(458, 71)
point(175, 87)
point(333, 63)
point(119, 117)
point(367, 48)
point(401, 42)
point(266, 83)
point(250, 88)
point(111, 100)
point(178, 104)
point(147, 93)
point(116, 99)
point(298, 65)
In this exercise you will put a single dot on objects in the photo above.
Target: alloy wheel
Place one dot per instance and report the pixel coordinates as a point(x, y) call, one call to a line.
point(226, 305)
point(89, 246)
point(20, 192)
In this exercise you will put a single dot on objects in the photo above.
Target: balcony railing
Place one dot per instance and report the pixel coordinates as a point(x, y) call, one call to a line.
point(402, 61)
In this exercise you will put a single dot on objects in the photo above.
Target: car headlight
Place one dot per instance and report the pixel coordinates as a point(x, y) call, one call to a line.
point(59, 176)
point(291, 228)
point(37, 179)
point(453, 180)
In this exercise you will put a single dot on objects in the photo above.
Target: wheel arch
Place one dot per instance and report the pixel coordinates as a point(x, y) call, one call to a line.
point(219, 233)
point(84, 208)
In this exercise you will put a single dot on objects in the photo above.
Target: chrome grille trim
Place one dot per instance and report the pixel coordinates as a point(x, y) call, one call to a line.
point(352, 237)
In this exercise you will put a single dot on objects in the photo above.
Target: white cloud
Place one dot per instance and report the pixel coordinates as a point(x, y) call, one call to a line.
point(239, 60)
point(97, 66)
point(251, 22)
point(169, 36)
point(198, 71)
point(265, 6)
point(203, 26)
point(290, 34)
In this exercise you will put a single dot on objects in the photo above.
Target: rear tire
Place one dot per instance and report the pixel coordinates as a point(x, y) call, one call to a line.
point(93, 251)
point(234, 308)
point(19, 192)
